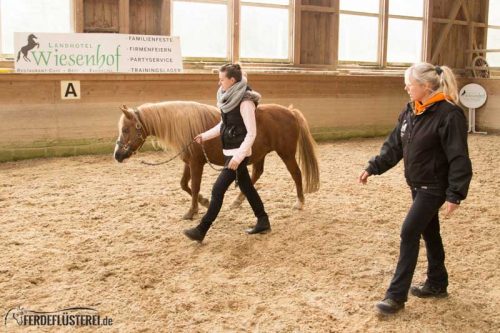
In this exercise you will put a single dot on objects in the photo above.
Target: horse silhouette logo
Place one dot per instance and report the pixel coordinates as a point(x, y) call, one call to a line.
point(26, 48)
point(16, 314)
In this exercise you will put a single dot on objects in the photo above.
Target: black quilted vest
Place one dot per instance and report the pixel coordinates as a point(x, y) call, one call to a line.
point(233, 130)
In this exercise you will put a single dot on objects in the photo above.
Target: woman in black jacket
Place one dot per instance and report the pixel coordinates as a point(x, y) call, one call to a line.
point(431, 138)
point(237, 129)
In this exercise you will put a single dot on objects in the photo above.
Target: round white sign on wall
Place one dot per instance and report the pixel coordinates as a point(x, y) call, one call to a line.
point(472, 96)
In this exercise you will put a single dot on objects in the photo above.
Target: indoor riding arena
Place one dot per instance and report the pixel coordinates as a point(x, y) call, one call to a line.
point(372, 129)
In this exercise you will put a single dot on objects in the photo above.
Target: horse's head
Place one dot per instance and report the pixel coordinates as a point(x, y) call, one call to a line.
point(31, 36)
point(132, 134)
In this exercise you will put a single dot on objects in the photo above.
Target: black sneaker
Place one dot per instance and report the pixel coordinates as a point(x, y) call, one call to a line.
point(389, 306)
point(425, 290)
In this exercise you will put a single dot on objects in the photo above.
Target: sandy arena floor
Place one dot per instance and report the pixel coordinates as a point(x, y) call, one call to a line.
point(87, 231)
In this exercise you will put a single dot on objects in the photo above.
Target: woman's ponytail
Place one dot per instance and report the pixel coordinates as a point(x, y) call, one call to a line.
point(448, 83)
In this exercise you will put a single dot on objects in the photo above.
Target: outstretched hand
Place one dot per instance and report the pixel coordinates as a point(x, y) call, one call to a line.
point(363, 177)
point(198, 139)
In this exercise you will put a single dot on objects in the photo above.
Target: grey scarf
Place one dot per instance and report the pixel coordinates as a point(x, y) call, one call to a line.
point(230, 99)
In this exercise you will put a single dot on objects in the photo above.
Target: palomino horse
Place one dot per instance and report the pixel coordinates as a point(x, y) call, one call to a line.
point(175, 124)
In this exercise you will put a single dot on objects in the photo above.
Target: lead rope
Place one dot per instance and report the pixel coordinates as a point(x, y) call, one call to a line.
point(171, 159)
point(204, 154)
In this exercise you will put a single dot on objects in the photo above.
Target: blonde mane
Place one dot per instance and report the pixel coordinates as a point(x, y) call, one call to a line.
point(175, 124)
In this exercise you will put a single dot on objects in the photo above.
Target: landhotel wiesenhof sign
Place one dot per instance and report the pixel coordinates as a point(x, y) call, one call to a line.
point(96, 53)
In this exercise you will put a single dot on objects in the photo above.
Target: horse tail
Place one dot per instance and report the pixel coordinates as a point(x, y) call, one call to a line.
point(308, 159)
point(18, 55)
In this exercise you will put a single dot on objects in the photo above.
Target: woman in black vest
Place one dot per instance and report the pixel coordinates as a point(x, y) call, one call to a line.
point(238, 130)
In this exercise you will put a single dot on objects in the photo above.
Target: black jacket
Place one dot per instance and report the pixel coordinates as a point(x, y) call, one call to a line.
point(434, 148)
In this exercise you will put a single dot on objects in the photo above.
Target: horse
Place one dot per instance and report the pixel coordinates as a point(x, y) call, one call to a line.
point(176, 123)
point(25, 49)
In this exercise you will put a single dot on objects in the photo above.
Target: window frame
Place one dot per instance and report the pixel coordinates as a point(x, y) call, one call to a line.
point(487, 48)
point(229, 41)
point(368, 64)
point(383, 36)
point(291, 10)
point(407, 18)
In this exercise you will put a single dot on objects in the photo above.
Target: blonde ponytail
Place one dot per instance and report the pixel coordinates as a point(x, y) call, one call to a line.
point(448, 84)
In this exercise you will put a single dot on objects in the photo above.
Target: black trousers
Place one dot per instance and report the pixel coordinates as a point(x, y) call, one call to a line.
point(225, 179)
point(422, 219)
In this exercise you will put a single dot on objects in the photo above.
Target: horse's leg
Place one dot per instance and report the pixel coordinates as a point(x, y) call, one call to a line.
point(257, 170)
point(186, 176)
point(293, 168)
point(196, 173)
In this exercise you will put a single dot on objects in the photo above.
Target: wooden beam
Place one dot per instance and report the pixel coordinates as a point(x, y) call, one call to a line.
point(482, 50)
point(485, 34)
point(334, 32)
point(383, 31)
point(165, 17)
point(427, 31)
point(297, 29)
point(470, 30)
point(78, 15)
point(446, 21)
point(465, 10)
point(446, 30)
point(317, 9)
point(459, 22)
point(124, 16)
point(235, 53)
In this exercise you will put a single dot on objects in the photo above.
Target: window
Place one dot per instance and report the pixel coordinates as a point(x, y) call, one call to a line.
point(493, 40)
point(265, 30)
point(202, 27)
point(32, 16)
point(359, 30)
point(205, 28)
point(404, 40)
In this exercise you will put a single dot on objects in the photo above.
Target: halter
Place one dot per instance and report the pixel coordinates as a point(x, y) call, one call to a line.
point(141, 133)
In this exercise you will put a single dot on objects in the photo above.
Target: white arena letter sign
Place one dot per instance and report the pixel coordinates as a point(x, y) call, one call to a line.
point(70, 89)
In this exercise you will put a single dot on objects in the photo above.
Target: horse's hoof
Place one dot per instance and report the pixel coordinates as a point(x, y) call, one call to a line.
point(298, 205)
point(188, 216)
point(204, 202)
point(236, 204)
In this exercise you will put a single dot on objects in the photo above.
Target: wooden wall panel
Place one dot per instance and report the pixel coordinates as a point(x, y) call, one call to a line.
point(101, 16)
point(317, 37)
point(145, 17)
point(321, 3)
point(463, 31)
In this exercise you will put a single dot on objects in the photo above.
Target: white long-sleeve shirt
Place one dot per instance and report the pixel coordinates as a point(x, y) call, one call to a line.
point(247, 110)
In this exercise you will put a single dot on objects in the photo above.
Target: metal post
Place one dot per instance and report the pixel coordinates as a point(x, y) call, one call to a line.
point(472, 122)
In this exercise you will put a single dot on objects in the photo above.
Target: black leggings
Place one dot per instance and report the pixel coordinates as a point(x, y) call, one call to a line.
point(225, 179)
point(422, 219)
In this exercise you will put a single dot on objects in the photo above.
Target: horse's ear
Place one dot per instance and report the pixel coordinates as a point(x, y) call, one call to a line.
point(126, 112)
